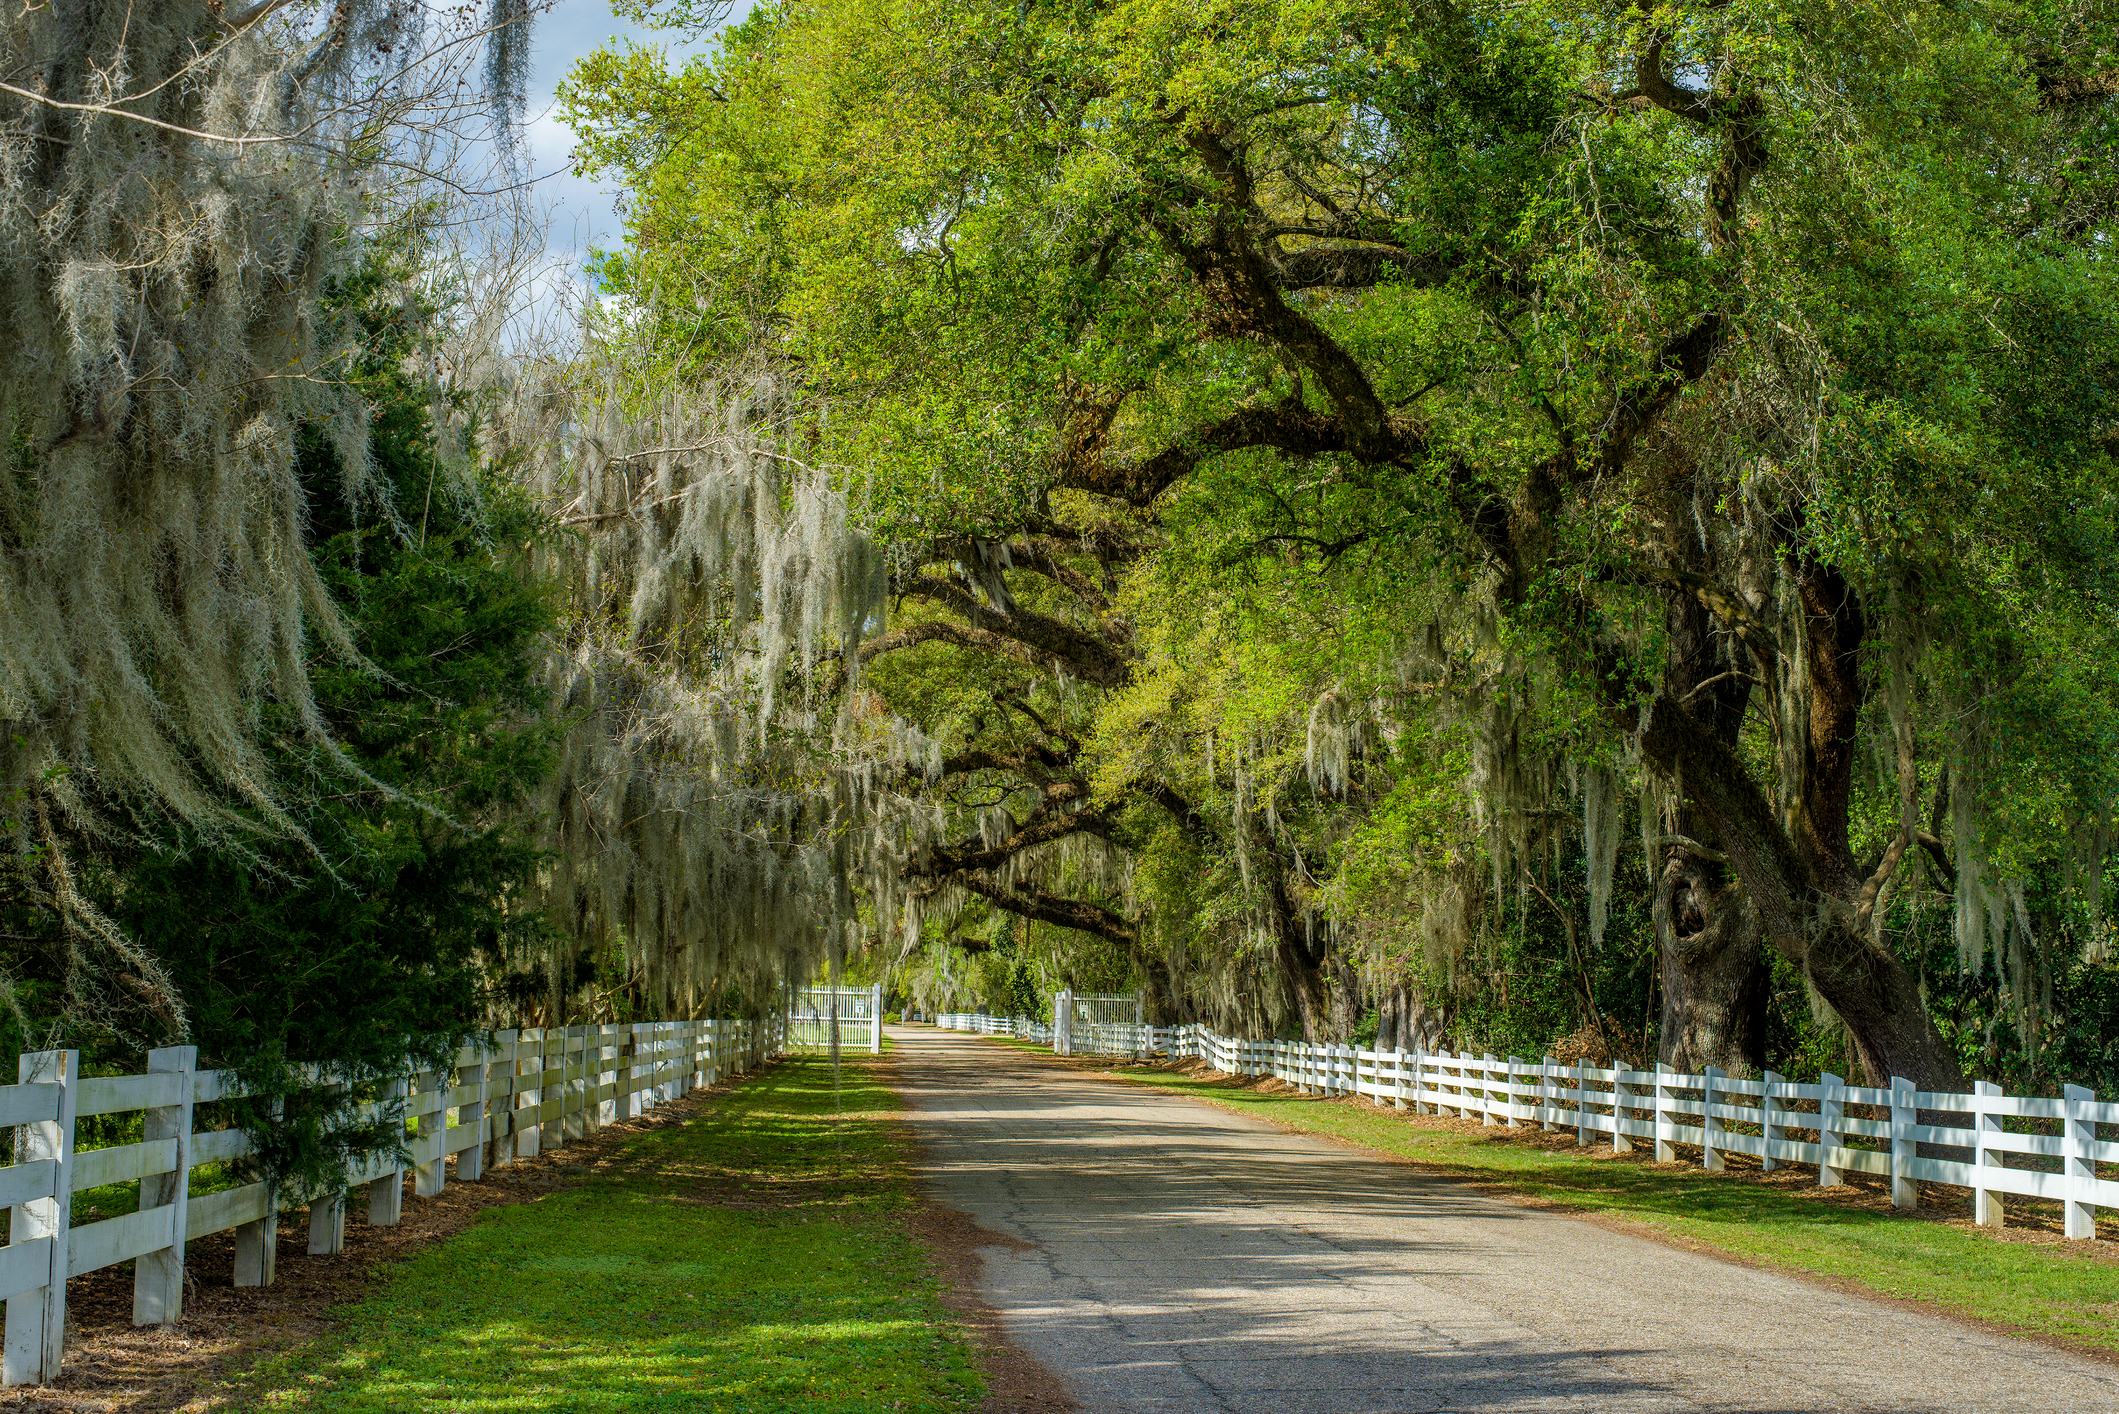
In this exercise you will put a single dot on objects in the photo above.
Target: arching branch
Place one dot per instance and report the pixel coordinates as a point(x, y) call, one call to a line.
point(1038, 638)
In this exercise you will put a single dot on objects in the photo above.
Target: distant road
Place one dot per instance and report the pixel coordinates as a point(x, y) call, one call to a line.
point(1186, 1259)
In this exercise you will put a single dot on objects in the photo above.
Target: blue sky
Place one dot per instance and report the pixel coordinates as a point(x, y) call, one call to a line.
point(584, 214)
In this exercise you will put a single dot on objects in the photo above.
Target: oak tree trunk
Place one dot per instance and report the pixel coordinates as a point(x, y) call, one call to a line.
point(1715, 980)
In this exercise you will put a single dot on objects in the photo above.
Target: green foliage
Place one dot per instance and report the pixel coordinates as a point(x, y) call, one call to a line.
point(756, 1257)
point(375, 935)
point(987, 234)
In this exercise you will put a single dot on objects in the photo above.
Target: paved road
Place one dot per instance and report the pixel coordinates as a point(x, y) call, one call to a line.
point(1185, 1259)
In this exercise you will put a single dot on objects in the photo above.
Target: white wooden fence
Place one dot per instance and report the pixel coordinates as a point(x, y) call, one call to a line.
point(1021, 1028)
point(1775, 1120)
point(526, 1092)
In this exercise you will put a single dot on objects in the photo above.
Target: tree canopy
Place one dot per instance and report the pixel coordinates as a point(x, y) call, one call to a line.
point(1339, 462)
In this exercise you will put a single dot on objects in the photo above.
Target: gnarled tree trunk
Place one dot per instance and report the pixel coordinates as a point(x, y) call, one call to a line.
point(1714, 975)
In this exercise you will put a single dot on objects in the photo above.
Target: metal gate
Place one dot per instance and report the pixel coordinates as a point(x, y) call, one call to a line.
point(1100, 1024)
point(855, 1012)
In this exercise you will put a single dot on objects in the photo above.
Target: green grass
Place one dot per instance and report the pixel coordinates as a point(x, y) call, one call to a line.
point(754, 1259)
point(2065, 1291)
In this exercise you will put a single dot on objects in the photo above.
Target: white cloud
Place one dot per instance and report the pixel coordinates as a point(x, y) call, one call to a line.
point(583, 214)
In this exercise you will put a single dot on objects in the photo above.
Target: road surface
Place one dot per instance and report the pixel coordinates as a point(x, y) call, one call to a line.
point(1184, 1259)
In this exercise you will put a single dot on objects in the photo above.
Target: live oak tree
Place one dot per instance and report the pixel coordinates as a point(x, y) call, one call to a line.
point(1721, 390)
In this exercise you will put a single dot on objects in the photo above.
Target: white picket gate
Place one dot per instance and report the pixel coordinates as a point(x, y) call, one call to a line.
point(1098, 1023)
point(1775, 1120)
point(856, 1012)
point(525, 1092)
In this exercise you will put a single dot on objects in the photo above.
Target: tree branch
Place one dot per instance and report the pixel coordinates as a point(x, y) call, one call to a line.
point(1288, 427)
point(1039, 636)
point(1042, 906)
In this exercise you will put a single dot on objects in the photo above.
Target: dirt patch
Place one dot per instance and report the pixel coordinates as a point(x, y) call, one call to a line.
point(1016, 1381)
point(113, 1367)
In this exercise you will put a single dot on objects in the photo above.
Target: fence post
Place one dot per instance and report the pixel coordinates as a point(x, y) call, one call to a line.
point(158, 1277)
point(2080, 1164)
point(471, 1115)
point(529, 1092)
point(574, 1065)
point(386, 1194)
point(1621, 1141)
point(1516, 1070)
point(429, 1178)
point(1665, 1151)
point(1986, 1121)
point(1548, 1108)
point(500, 1099)
point(552, 1089)
point(257, 1243)
point(875, 1019)
point(629, 1071)
point(647, 1058)
point(36, 1320)
point(1769, 1116)
point(1063, 1022)
point(1905, 1193)
point(1486, 1093)
point(327, 1226)
point(1584, 1132)
point(327, 1232)
point(1710, 1127)
point(1831, 1111)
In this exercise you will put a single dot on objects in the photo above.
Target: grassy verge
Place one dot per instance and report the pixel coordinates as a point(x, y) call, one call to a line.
point(754, 1259)
point(2061, 1291)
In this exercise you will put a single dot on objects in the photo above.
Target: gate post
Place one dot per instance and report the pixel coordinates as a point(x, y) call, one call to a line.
point(36, 1320)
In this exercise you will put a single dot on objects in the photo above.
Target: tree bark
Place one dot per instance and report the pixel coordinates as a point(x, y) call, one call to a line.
point(1715, 981)
point(1802, 915)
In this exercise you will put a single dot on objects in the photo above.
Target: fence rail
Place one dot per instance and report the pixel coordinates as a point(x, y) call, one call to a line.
point(525, 1092)
point(1778, 1121)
